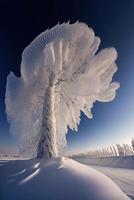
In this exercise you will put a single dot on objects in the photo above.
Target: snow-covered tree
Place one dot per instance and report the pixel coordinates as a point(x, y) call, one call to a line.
point(120, 149)
point(61, 76)
point(132, 142)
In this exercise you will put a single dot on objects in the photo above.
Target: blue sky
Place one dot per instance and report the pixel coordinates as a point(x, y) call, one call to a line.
point(113, 21)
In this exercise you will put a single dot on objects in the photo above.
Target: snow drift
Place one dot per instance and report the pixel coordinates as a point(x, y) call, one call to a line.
point(56, 179)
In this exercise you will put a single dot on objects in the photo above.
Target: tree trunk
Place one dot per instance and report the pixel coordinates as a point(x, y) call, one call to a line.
point(47, 147)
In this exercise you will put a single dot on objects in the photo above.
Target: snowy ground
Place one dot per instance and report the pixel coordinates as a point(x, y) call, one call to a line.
point(57, 179)
point(124, 178)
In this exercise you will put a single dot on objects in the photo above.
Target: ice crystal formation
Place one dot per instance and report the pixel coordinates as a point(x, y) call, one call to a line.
point(61, 76)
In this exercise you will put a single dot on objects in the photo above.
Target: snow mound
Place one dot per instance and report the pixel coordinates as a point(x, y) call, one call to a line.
point(57, 179)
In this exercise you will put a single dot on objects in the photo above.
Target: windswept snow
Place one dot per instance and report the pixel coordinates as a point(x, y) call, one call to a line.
point(56, 179)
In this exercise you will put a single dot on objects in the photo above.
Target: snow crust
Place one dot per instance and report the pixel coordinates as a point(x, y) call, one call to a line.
point(57, 179)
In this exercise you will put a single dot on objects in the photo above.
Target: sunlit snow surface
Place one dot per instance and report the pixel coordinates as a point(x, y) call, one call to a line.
point(123, 177)
point(57, 179)
point(119, 169)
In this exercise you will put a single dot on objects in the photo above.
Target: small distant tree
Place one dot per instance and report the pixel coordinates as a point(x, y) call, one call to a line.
point(132, 142)
point(115, 151)
point(120, 150)
point(112, 151)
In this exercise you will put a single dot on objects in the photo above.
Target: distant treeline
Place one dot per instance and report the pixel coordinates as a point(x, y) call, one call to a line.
point(117, 150)
point(5, 155)
point(2, 155)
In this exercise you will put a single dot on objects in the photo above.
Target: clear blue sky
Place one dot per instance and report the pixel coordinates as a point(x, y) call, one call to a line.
point(113, 21)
